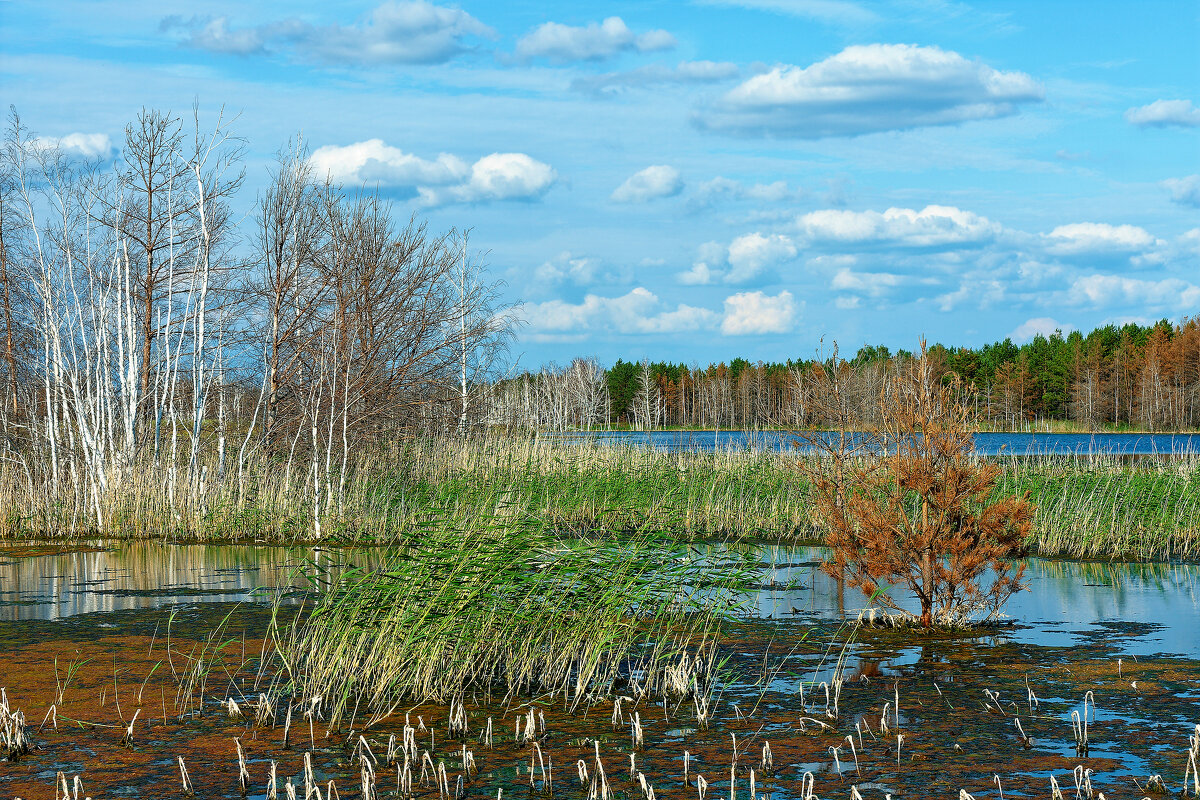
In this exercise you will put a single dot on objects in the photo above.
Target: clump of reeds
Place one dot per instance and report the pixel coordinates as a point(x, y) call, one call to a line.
point(513, 607)
point(14, 735)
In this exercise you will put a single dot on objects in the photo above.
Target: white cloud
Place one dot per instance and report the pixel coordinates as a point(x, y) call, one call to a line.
point(639, 311)
point(1102, 291)
point(216, 36)
point(708, 267)
point(649, 75)
point(700, 274)
point(932, 226)
point(1164, 113)
point(868, 88)
point(874, 284)
point(1185, 191)
point(1098, 238)
point(721, 188)
point(648, 184)
point(1044, 326)
point(592, 42)
point(748, 313)
point(753, 252)
point(982, 289)
point(505, 176)
point(84, 145)
point(567, 267)
point(406, 32)
point(374, 162)
point(446, 179)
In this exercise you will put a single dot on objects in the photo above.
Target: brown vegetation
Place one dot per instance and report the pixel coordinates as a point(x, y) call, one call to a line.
point(917, 512)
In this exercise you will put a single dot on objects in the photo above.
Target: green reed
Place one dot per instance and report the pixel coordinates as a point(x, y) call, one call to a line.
point(511, 609)
point(1101, 508)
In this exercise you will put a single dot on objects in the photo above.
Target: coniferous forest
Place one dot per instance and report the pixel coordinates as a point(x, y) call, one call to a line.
point(1129, 377)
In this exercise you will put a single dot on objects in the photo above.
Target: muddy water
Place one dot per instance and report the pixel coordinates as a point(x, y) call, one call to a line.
point(93, 625)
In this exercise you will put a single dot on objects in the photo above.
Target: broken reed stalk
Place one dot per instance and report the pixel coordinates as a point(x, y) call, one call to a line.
point(186, 782)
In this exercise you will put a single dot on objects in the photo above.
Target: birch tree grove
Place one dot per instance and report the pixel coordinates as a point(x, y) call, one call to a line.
point(147, 338)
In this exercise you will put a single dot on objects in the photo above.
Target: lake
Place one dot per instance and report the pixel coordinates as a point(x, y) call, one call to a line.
point(988, 444)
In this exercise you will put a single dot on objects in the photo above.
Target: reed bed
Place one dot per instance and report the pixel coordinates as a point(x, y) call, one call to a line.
point(1100, 508)
point(513, 609)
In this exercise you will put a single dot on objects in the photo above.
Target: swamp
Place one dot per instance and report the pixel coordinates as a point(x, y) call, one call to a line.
point(280, 517)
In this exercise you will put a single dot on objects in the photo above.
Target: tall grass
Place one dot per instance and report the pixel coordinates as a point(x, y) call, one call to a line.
point(1108, 508)
point(1087, 508)
point(511, 608)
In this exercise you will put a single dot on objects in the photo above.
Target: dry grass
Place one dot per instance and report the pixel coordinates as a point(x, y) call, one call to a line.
point(1087, 508)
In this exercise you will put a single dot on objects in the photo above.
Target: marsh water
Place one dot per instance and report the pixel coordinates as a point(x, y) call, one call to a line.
point(1128, 633)
point(1155, 605)
point(988, 444)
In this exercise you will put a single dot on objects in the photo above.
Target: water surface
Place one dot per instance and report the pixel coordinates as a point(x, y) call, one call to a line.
point(989, 444)
point(1152, 608)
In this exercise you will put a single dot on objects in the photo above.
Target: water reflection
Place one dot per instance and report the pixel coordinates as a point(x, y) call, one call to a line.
point(132, 575)
point(1149, 608)
point(1142, 609)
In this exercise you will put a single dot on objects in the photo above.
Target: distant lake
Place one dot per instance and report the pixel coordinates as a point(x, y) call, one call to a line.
point(991, 444)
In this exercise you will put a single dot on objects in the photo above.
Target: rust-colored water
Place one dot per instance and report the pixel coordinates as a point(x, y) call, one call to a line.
point(954, 735)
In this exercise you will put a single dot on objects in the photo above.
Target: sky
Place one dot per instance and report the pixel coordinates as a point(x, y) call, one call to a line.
point(697, 181)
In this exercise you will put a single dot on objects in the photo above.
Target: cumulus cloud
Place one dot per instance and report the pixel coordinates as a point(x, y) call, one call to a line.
point(654, 75)
point(743, 259)
point(83, 145)
point(374, 162)
point(649, 184)
point(405, 32)
point(700, 274)
point(723, 189)
point(592, 42)
point(1185, 191)
point(1098, 238)
point(567, 267)
point(446, 179)
point(1102, 291)
point(752, 253)
point(932, 226)
point(869, 88)
point(874, 284)
point(1165, 113)
point(748, 313)
point(500, 176)
point(639, 311)
point(708, 266)
point(1038, 326)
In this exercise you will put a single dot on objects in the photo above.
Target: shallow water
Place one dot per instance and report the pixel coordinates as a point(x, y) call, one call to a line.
point(1149, 608)
point(54, 582)
point(105, 608)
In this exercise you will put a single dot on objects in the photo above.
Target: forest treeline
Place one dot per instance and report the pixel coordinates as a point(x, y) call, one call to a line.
point(1129, 376)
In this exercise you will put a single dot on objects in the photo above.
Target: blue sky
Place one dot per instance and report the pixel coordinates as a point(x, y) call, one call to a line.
point(703, 180)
